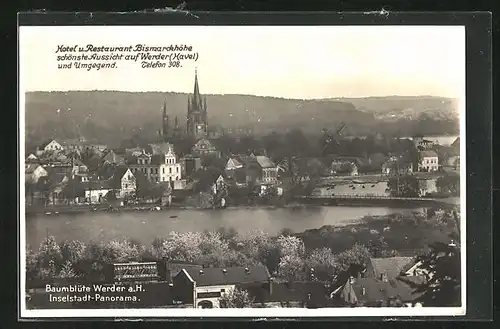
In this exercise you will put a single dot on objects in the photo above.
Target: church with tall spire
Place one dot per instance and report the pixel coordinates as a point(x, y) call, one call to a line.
point(166, 131)
point(197, 125)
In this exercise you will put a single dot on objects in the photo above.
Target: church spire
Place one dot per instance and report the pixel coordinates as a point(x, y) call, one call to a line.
point(196, 93)
point(165, 123)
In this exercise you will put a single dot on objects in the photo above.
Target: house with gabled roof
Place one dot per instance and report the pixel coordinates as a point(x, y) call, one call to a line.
point(33, 172)
point(48, 146)
point(373, 292)
point(121, 183)
point(204, 287)
point(390, 267)
point(110, 157)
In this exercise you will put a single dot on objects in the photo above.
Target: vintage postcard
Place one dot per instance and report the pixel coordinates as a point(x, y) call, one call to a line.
point(287, 171)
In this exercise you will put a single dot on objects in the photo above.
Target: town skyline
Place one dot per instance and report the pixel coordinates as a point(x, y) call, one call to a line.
point(374, 62)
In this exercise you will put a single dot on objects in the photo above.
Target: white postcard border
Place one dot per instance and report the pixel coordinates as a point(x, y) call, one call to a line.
point(26, 314)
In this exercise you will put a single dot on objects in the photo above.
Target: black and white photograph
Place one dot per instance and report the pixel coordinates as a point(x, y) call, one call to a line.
point(285, 171)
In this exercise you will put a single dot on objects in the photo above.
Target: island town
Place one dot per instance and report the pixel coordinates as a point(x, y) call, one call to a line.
point(196, 165)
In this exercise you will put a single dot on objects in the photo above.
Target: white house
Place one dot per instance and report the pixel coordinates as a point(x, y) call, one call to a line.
point(428, 161)
point(158, 168)
point(122, 183)
point(204, 287)
point(33, 172)
point(47, 146)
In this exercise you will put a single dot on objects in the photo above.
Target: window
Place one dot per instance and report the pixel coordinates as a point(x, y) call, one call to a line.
point(214, 294)
point(156, 170)
point(163, 169)
point(177, 169)
point(170, 170)
point(126, 185)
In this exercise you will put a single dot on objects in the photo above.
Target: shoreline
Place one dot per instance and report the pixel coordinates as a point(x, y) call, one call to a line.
point(311, 203)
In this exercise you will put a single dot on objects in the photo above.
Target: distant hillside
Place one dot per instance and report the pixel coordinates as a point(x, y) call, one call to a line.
point(112, 116)
point(410, 107)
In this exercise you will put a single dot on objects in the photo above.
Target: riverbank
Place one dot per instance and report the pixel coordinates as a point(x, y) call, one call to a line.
point(302, 203)
point(395, 234)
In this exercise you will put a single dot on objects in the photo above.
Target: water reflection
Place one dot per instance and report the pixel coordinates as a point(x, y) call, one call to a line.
point(146, 226)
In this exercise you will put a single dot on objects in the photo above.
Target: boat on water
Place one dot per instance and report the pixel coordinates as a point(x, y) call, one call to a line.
point(174, 216)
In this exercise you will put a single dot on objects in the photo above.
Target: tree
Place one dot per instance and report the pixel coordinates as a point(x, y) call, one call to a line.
point(182, 246)
point(291, 268)
point(296, 143)
point(323, 262)
point(49, 253)
point(120, 251)
point(213, 250)
point(403, 186)
point(32, 268)
point(236, 298)
point(449, 184)
point(358, 256)
point(72, 251)
point(443, 272)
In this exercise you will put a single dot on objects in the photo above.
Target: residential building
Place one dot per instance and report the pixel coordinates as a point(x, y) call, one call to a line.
point(215, 132)
point(396, 166)
point(33, 172)
point(310, 294)
point(122, 182)
point(158, 168)
point(343, 168)
point(422, 144)
point(48, 146)
point(258, 169)
point(204, 147)
point(110, 157)
point(81, 144)
point(390, 267)
point(31, 158)
point(204, 287)
point(428, 161)
point(197, 121)
point(261, 170)
point(374, 292)
point(189, 164)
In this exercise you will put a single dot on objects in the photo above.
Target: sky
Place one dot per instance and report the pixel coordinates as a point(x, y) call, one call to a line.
point(300, 62)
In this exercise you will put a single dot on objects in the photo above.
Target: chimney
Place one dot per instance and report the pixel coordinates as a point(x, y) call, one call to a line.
point(383, 277)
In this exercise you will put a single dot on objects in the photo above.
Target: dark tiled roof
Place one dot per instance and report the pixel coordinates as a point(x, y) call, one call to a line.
point(428, 154)
point(297, 291)
point(391, 266)
point(112, 179)
point(232, 275)
point(373, 290)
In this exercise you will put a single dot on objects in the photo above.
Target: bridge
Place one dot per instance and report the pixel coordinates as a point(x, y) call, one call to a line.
point(352, 197)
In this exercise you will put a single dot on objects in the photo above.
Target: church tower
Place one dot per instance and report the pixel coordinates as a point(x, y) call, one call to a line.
point(165, 129)
point(197, 112)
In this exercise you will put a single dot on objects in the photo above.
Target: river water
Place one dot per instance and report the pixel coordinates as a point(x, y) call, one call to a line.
point(146, 226)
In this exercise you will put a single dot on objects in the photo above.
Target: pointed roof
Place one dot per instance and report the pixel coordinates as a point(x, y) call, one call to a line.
point(391, 266)
point(196, 100)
